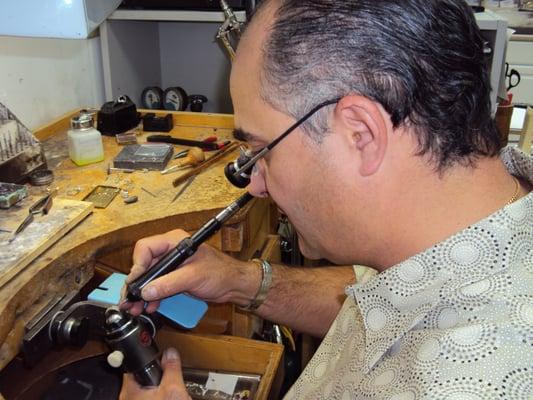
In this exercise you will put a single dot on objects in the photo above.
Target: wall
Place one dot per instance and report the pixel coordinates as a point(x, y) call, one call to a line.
point(192, 59)
point(520, 58)
point(41, 79)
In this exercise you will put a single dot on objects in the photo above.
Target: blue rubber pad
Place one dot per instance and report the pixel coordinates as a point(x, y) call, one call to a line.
point(185, 310)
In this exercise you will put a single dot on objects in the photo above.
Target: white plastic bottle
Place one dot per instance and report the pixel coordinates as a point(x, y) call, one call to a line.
point(84, 141)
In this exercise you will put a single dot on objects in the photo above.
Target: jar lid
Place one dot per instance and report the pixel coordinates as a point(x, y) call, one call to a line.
point(82, 121)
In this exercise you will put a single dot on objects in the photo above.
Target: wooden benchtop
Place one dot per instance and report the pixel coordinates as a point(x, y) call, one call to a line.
point(69, 264)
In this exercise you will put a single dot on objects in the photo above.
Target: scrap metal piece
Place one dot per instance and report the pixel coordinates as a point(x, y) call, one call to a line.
point(131, 199)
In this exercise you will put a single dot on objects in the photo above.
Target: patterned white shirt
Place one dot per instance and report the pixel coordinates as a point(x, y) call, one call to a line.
point(454, 322)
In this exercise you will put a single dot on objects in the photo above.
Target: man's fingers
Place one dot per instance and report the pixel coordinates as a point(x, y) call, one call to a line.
point(155, 246)
point(167, 285)
point(152, 306)
point(172, 379)
point(137, 308)
point(130, 388)
point(136, 271)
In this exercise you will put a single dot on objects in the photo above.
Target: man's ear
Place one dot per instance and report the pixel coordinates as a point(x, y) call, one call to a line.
point(364, 121)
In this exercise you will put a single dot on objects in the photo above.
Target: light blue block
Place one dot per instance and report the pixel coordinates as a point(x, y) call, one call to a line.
point(185, 310)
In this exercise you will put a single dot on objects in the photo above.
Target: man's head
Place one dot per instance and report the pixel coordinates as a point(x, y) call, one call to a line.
point(413, 68)
point(421, 60)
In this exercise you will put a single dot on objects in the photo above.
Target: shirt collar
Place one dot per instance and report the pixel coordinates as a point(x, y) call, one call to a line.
point(398, 298)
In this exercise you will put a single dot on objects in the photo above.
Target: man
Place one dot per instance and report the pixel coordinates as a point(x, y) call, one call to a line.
point(400, 170)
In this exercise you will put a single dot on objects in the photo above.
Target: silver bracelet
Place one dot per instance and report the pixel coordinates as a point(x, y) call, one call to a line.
point(266, 282)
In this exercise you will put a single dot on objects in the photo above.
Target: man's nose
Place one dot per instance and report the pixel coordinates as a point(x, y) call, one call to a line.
point(257, 186)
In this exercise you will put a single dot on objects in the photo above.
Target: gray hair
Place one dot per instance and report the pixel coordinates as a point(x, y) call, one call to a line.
point(422, 60)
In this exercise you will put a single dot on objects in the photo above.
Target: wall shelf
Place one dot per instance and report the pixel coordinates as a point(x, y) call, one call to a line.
point(173, 15)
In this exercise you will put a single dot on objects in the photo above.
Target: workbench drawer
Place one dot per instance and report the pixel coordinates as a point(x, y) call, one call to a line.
point(209, 353)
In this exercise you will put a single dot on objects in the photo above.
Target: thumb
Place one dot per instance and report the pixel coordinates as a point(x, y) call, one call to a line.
point(172, 375)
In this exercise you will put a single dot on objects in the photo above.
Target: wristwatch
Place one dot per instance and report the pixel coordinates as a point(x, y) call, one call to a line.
point(266, 282)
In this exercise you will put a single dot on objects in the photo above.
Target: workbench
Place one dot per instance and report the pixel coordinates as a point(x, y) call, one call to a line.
point(104, 240)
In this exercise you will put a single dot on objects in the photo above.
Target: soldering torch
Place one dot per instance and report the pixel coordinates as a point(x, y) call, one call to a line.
point(185, 249)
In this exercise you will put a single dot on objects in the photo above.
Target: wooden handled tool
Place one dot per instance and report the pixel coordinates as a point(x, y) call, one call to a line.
point(211, 160)
point(194, 157)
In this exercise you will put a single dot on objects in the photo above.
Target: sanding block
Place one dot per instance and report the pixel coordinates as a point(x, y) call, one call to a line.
point(184, 310)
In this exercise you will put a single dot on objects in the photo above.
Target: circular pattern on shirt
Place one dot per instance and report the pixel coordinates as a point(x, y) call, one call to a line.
point(468, 344)
point(528, 265)
point(518, 384)
point(522, 315)
point(428, 351)
point(328, 388)
point(406, 393)
point(411, 276)
point(377, 312)
point(442, 317)
point(319, 369)
point(516, 216)
point(465, 388)
point(518, 248)
point(382, 380)
point(348, 393)
point(422, 348)
point(472, 253)
point(348, 323)
point(375, 351)
point(477, 294)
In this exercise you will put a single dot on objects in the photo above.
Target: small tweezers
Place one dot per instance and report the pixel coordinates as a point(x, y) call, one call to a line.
point(41, 206)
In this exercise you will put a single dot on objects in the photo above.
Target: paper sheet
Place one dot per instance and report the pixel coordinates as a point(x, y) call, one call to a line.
point(223, 382)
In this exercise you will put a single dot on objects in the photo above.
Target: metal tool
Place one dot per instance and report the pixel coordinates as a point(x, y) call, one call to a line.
point(183, 188)
point(203, 144)
point(147, 191)
point(111, 169)
point(230, 30)
point(180, 154)
point(202, 166)
point(186, 248)
point(129, 338)
point(194, 156)
point(174, 168)
point(41, 206)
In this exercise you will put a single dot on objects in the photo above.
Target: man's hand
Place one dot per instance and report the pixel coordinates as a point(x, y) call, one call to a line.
point(209, 274)
point(170, 388)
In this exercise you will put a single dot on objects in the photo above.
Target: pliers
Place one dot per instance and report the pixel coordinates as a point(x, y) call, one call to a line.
point(41, 206)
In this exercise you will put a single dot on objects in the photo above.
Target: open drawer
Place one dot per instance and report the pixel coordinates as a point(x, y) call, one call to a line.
point(57, 375)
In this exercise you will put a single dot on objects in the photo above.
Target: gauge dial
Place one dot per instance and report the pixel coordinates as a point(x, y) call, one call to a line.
point(152, 98)
point(175, 99)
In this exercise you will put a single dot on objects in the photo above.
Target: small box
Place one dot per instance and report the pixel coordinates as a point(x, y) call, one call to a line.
point(117, 116)
point(11, 193)
point(153, 156)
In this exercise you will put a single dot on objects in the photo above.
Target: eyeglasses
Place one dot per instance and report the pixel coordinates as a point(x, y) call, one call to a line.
point(238, 172)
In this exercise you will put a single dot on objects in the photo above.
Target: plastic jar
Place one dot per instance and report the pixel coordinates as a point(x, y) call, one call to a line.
point(84, 140)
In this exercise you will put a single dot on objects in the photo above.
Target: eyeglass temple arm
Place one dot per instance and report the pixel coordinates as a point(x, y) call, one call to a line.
point(271, 145)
